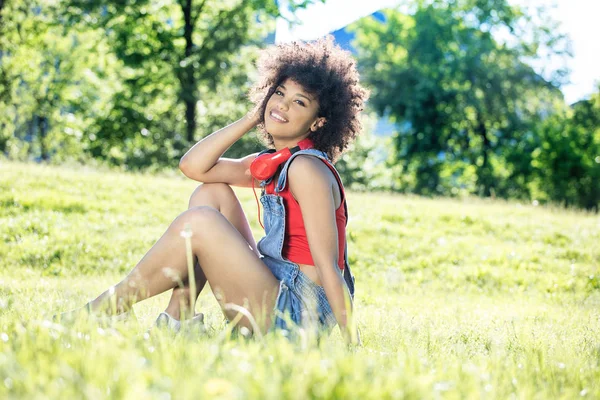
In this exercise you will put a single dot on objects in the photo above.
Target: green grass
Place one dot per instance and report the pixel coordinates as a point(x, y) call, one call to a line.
point(455, 299)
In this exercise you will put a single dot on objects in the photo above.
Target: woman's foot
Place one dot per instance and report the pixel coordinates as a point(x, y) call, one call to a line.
point(165, 320)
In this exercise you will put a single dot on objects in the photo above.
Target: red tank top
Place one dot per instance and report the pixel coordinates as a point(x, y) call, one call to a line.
point(295, 244)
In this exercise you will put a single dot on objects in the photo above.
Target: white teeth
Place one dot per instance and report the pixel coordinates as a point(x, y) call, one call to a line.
point(278, 117)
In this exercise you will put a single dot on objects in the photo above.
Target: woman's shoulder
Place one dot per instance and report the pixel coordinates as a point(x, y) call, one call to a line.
point(309, 172)
point(311, 179)
point(308, 166)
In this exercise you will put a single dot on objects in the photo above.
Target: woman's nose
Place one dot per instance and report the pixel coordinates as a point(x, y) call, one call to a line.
point(283, 105)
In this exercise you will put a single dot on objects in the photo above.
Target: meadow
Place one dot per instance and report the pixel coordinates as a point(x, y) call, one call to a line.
point(456, 298)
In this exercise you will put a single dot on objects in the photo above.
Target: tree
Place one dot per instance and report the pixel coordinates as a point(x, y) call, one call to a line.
point(363, 167)
point(461, 98)
point(177, 57)
point(567, 160)
point(41, 69)
point(5, 97)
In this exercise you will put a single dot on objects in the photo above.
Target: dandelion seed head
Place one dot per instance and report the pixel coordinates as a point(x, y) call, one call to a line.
point(245, 331)
point(8, 383)
point(186, 234)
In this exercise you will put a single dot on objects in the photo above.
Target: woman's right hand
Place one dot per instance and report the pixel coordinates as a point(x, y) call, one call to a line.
point(254, 116)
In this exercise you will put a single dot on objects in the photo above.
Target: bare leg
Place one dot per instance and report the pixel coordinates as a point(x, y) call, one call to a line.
point(180, 305)
point(234, 271)
point(222, 198)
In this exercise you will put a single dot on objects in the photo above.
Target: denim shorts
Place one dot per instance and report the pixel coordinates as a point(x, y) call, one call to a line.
point(300, 303)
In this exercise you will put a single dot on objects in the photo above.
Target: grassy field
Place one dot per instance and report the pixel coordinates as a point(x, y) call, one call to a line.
point(455, 299)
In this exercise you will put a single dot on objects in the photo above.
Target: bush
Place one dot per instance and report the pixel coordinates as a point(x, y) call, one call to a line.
point(567, 161)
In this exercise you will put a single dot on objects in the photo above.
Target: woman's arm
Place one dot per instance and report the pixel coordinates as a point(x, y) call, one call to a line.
point(313, 186)
point(203, 162)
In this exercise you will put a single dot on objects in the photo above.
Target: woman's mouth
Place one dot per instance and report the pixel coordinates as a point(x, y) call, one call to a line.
point(275, 116)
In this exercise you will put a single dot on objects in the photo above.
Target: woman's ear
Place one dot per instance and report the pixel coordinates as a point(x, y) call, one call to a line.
point(318, 124)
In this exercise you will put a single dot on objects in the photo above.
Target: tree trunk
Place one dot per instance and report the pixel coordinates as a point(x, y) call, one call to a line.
point(30, 133)
point(188, 81)
point(1, 7)
point(484, 175)
point(43, 131)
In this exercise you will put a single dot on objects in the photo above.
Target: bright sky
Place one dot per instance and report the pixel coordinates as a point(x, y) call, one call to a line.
point(579, 19)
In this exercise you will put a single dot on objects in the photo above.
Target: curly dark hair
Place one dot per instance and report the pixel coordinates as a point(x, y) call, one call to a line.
point(327, 72)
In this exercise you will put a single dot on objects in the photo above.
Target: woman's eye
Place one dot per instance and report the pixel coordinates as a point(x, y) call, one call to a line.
point(279, 93)
point(300, 102)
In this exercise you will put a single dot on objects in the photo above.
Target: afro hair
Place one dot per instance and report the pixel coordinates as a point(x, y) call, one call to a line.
point(326, 71)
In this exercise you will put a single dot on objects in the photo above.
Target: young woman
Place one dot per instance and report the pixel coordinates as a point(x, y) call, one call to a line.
point(308, 100)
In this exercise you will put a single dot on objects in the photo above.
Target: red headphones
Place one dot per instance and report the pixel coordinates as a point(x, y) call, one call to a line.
point(264, 166)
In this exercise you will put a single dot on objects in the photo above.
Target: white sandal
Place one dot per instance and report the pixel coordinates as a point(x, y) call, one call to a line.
point(165, 320)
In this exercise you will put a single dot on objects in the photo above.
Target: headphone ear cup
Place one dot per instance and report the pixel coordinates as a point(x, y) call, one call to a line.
point(261, 169)
point(264, 166)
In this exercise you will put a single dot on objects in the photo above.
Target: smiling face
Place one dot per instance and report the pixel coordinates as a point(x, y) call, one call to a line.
point(291, 114)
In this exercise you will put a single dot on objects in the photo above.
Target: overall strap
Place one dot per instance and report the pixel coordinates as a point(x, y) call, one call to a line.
point(281, 183)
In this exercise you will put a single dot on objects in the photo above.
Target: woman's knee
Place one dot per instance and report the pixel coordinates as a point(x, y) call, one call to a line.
point(199, 219)
point(211, 194)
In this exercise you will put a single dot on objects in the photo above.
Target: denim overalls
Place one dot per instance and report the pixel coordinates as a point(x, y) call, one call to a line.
point(300, 301)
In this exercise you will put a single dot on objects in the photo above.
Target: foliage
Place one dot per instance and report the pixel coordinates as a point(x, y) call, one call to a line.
point(460, 97)
point(186, 67)
point(364, 166)
point(458, 299)
point(177, 58)
point(132, 83)
point(567, 160)
point(48, 78)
